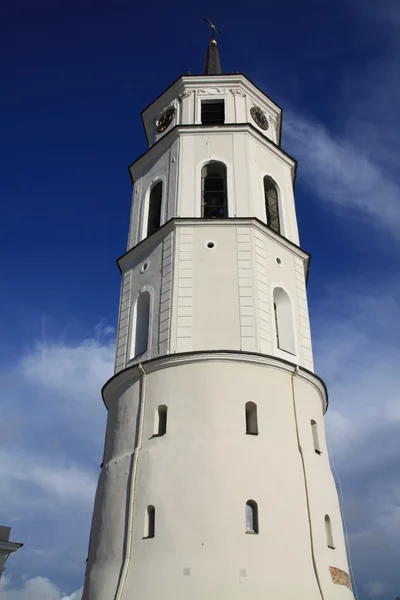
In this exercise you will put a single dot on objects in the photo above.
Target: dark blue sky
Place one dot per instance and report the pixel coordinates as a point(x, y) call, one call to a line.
point(75, 77)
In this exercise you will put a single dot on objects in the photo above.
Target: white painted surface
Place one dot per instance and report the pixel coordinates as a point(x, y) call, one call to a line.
point(212, 347)
point(200, 475)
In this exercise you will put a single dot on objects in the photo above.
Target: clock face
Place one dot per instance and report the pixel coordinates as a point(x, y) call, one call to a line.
point(259, 117)
point(165, 120)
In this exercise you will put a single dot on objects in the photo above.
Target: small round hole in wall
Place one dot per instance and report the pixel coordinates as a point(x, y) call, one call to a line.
point(144, 266)
point(278, 260)
point(210, 245)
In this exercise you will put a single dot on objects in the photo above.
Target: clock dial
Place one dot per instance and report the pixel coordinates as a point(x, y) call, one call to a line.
point(165, 120)
point(259, 117)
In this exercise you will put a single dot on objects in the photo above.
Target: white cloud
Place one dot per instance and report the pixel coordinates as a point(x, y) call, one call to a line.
point(71, 371)
point(53, 419)
point(338, 171)
point(55, 480)
point(357, 355)
point(376, 588)
point(36, 588)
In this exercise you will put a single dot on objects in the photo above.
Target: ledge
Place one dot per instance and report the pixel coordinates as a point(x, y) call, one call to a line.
point(127, 376)
point(177, 130)
point(123, 261)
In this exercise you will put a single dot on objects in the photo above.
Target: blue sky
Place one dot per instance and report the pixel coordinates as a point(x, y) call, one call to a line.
point(75, 77)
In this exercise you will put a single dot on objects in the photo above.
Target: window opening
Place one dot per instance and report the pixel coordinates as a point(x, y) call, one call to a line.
point(161, 421)
point(328, 531)
point(271, 204)
point(213, 191)
point(150, 522)
point(140, 325)
point(213, 113)
point(284, 327)
point(251, 419)
point(251, 517)
point(154, 215)
point(314, 429)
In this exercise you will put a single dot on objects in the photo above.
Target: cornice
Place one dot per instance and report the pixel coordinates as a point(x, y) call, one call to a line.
point(181, 130)
point(194, 81)
point(201, 79)
point(125, 378)
point(135, 252)
point(10, 546)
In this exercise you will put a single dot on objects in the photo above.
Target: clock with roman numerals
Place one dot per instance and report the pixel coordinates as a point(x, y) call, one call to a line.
point(166, 119)
point(259, 117)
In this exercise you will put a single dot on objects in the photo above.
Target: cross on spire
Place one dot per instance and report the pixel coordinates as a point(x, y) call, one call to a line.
point(213, 27)
point(212, 66)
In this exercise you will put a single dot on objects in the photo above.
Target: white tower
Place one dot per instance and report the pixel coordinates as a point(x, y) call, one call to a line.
point(216, 481)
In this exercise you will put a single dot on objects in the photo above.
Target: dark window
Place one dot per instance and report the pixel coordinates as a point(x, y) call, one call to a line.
point(213, 113)
point(213, 191)
point(251, 418)
point(154, 216)
point(161, 422)
point(150, 526)
point(271, 204)
point(251, 517)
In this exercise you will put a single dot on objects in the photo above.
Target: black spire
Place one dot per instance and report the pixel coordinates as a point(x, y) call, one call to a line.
point(212, 66)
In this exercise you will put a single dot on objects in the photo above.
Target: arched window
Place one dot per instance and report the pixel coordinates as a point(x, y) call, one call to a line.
point(271, 204)
point(140, 325)
point(328, 531)
point(154, 213)
point(150, 522)
point(161, 421)
point(251, 418)
point(314, 429)
point(214, 200)
point(283, 321)
point(251, 517)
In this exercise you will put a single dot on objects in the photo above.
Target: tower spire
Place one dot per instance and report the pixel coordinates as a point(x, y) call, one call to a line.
point(212, 65)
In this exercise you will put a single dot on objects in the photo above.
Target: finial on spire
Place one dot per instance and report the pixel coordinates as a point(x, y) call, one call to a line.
point(214, 29)
point(212, 66)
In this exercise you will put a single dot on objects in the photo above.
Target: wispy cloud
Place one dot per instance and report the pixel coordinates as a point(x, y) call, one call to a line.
point(357, 349)
point(338, 171)
point(352, 163)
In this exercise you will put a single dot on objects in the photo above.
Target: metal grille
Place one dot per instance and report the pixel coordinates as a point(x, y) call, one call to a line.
point(213, 113)
point(213, 192)
point(271, 205)
point(154, 217)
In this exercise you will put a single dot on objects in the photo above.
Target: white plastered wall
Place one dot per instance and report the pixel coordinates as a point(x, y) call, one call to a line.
point(199, 477)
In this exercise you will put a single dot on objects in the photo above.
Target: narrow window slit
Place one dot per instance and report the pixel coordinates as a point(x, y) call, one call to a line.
point(150, 522)
point(328, 531)
point(251, 418)
point(314, 429)
point(251, 517)
point(160, 426)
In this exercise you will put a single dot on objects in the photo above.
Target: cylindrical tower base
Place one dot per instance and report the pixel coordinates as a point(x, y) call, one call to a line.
point(203, 497)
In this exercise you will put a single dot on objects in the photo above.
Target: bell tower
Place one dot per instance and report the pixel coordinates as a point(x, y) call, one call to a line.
point(216, 480)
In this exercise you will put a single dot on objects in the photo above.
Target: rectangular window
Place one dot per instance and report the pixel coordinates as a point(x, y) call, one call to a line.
point(213, 113)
